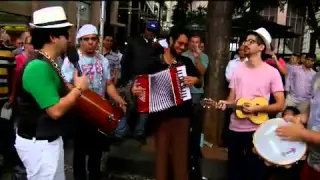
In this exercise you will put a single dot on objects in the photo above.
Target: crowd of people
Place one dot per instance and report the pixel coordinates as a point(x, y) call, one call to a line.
point(42, 85)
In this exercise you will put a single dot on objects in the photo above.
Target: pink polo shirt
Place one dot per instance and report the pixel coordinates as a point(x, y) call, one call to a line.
point(250, 83)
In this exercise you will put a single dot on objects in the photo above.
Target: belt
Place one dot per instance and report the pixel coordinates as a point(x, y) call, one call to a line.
point(48, 138)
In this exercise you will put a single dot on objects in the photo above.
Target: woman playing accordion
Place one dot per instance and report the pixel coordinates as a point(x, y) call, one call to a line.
point(171, 126)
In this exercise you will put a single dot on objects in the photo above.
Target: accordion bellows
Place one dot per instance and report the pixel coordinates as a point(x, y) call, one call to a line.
point(163, 90)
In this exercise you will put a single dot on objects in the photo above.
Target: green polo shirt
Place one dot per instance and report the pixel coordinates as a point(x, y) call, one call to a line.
point(42, 82)
point(204, 60)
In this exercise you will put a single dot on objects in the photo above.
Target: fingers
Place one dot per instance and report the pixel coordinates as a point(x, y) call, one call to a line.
point(221, 105)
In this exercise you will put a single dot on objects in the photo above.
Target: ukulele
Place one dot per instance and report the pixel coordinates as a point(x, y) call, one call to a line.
point(256, 118)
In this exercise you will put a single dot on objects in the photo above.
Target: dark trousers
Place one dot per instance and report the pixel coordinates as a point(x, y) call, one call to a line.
point(88, 142)
point(171, 139)
point(243, 164)
point(195, 154)
point(281, 173)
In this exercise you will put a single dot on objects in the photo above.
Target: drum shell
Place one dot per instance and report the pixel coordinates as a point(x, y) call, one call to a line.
point(98, 111)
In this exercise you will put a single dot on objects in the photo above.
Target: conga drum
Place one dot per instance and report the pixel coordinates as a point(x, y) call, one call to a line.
point(274, 150)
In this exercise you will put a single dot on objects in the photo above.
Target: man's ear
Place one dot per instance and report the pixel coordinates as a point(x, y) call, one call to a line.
point(52, 39)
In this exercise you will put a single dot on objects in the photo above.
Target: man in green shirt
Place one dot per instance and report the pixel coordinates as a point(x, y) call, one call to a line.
point(43, 99)
point(200, 61)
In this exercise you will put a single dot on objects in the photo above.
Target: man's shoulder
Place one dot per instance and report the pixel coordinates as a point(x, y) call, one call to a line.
point(36, 63)
point(204, 55)
point(36, 67)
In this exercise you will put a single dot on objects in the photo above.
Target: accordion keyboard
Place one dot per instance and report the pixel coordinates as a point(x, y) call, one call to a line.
point(185, 91)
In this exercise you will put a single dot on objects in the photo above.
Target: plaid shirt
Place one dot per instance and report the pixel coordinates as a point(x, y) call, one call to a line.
point(114, 61)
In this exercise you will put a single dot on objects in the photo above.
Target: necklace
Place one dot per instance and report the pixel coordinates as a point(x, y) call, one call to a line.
point(53, 63)
point(174, 62)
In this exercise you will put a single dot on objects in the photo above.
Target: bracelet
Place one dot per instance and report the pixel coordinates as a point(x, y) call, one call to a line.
point(78, 88)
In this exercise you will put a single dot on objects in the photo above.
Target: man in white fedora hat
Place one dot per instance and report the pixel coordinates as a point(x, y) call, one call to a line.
point(254, 78)
point(96, 67)
point(43, 99)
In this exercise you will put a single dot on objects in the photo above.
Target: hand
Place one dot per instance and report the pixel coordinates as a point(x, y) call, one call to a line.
point(80, 81)
point(137, 90)
point(291, 132)
point(196, 52)
point(222, 105)
point(274, 57)
point(10, 102)
point(122, 104)
point(189, 81)
point(250, 108)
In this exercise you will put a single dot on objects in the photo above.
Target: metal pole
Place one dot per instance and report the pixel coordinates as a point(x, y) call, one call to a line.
point(102, 20)
point(129, 18)
point(78, 20)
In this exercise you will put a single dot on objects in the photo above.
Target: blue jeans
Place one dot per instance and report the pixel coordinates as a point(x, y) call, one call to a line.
point(141, 122)
point(122, 127)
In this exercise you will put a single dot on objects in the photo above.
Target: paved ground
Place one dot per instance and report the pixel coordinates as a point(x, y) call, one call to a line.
point(130, 162)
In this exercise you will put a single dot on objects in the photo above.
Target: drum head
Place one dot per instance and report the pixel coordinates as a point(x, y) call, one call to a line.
point(274, 150)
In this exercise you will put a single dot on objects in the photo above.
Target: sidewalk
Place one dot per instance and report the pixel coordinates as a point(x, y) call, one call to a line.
point(129, 158)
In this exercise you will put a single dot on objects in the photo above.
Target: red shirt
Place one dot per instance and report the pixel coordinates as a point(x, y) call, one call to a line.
point(20, 61)
point(272, 63)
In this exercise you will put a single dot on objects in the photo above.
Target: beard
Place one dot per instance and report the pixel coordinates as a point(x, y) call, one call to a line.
point(173, 51)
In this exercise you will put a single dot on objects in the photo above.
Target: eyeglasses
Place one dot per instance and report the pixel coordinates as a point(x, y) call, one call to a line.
point(90, 38)
point(249, 41)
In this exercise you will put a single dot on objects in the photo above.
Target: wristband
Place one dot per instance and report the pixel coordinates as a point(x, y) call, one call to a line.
point(78, 88)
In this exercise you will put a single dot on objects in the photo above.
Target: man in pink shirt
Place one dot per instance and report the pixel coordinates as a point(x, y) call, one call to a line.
point(22, 58)
point(252, 79)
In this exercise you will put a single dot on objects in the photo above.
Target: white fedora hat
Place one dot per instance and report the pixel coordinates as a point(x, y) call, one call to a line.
point(50, 17)
point(265, 36)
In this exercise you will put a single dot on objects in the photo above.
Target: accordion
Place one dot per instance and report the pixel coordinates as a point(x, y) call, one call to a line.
point(163, 90)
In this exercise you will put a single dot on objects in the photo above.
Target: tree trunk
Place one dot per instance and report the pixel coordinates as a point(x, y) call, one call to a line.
point(219, 36)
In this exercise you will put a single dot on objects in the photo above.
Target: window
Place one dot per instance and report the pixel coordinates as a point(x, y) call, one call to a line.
point(296, 22)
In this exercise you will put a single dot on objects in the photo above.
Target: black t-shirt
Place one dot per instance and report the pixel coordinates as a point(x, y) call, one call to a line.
point(184, 109)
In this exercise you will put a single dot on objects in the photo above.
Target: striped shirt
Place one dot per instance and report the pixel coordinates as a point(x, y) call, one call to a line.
point(7, 64)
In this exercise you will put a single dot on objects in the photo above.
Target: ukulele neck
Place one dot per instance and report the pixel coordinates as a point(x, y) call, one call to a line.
point(234, 107)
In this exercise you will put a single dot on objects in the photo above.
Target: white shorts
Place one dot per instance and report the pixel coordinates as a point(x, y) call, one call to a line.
point(43, 160)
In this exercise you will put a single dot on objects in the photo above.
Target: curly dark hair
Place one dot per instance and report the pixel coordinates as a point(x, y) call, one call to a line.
point(41, 36)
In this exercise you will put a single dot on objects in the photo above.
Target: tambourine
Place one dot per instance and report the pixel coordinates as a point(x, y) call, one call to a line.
point(274, 150)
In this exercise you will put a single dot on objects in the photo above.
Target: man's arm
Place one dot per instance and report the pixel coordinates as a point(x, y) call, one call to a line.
point(113, 93)
point(276, 87)
point(110, 87)
point(278, 106)
point(45, 91)
point(232, 96)
point(289, 80)
point(202, 64)
point(228, 71)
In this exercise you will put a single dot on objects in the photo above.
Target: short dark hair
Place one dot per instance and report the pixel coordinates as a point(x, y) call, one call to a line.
point(311, 55)
point(41, 36)
point(108, 34)
point(195, 34)
point(293, 109)
point(258, 38)
point(176, 32)
point(294, 54)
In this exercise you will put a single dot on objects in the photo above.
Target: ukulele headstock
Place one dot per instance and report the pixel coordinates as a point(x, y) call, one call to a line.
point(207, 103)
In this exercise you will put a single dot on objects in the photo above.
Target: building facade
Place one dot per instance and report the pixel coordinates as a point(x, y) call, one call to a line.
point(19, 13)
